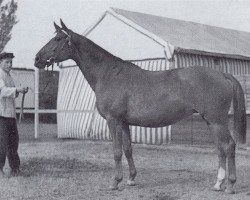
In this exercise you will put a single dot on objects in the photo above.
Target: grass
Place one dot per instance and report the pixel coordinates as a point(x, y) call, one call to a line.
point(80, 169)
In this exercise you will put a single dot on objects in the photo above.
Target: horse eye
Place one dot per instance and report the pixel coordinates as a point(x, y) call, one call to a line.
point(57, 38)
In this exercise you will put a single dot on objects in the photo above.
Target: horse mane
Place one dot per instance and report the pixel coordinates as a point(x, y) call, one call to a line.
point(95, 49)
point(98, 54)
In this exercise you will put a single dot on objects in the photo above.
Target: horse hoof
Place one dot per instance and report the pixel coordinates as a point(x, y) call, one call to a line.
point(219, 186)
point(217, 189)
point(131, 183)
point(112, 187)
point(230, 191)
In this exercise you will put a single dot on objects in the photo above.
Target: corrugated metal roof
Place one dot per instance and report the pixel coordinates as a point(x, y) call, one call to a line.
point(185, 35)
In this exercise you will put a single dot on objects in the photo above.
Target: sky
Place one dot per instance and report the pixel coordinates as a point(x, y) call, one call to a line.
point(35, 18)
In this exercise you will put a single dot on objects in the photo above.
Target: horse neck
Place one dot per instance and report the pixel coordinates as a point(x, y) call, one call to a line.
point(94, 62)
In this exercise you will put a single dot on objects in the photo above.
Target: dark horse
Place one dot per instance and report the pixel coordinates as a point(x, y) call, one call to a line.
point(128, 95)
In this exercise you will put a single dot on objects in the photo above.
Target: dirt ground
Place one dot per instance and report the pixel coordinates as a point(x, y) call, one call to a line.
point(80, 169)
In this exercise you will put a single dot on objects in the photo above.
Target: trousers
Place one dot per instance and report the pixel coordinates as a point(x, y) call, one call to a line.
point(9, 140)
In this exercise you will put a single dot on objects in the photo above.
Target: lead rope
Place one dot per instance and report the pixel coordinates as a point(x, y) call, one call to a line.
point(21, 116)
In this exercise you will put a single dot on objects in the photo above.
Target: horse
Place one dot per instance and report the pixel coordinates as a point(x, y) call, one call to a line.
point(128, 95)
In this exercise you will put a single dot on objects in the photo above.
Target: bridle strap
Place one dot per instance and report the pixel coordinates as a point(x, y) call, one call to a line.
point(71, 44)
point(67, 41)
point(59, 52)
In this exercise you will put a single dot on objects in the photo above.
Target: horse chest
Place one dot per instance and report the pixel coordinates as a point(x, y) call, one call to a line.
point(111, 104)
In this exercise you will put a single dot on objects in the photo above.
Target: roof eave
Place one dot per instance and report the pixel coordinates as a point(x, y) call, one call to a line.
point(168, 48)
point(95, 24)
point(213, 54)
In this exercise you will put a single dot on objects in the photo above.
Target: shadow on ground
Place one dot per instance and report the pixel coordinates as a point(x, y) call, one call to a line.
point(59, 167)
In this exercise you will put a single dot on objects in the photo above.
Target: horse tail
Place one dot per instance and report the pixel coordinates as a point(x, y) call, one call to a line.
point(239, 107)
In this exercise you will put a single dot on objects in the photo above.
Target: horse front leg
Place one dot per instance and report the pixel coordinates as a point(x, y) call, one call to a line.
point(127, 148)
point(115, 129)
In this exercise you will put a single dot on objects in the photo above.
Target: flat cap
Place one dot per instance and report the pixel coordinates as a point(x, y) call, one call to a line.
point(6, 55)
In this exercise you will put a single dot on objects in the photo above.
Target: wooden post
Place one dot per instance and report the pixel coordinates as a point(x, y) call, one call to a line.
point(192, 133)
point(169, 134)
point(36, 122)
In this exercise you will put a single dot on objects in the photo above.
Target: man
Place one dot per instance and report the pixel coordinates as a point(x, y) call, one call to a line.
point(9, 138)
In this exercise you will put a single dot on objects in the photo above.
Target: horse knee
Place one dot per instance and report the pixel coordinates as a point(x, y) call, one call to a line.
point(230, 150)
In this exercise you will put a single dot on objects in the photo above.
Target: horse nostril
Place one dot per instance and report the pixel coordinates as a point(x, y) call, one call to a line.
point(37, 59)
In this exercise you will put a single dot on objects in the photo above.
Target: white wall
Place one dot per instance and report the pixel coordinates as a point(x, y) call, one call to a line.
point(25, 78)
point(123, 41)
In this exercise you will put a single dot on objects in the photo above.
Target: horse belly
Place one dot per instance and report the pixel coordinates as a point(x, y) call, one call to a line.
point(158, 116)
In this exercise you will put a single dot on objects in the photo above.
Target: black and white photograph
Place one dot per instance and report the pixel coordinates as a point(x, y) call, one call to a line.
point(124, 100)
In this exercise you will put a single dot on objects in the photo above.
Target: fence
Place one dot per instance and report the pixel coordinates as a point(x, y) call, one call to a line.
point(77, 117)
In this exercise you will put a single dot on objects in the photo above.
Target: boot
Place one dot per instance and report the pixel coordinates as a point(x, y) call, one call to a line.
point(15, 173)
point(2, 174)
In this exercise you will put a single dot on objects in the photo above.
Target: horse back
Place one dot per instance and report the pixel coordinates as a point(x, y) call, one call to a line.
point(160, 98)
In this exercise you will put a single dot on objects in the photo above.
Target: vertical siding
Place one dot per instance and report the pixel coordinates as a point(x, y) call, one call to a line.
point(227, 65)
point(75, 104)
point(245, 82)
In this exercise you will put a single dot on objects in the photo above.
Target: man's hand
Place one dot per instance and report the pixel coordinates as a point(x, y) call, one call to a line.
point(22, 89)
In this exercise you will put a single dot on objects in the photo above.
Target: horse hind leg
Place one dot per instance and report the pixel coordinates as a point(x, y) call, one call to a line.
point(230, 151)
point(226, 154)
point(219, 185)
point(127, 148)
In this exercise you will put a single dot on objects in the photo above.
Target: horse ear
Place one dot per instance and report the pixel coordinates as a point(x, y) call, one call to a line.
point(57, 27)
point(64, 27)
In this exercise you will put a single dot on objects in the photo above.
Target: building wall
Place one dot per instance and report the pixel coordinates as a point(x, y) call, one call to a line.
point(25, 78)
point(75, 103)
point(48, 86)
point(233, 66)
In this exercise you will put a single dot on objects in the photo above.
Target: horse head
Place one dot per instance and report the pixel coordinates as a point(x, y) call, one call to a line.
point(57, 49)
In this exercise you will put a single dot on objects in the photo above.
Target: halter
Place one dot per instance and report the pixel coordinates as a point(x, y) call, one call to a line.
point(70, 43)
point(58, 52)
point(21, 116)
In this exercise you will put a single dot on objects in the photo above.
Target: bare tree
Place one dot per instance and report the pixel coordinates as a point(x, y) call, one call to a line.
point(7, 21)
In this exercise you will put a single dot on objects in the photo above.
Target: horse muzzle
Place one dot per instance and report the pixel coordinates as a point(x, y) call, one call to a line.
point(40, 63)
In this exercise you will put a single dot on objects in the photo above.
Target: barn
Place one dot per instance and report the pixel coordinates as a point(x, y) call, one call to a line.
point(153, 43)
point(46, 93)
